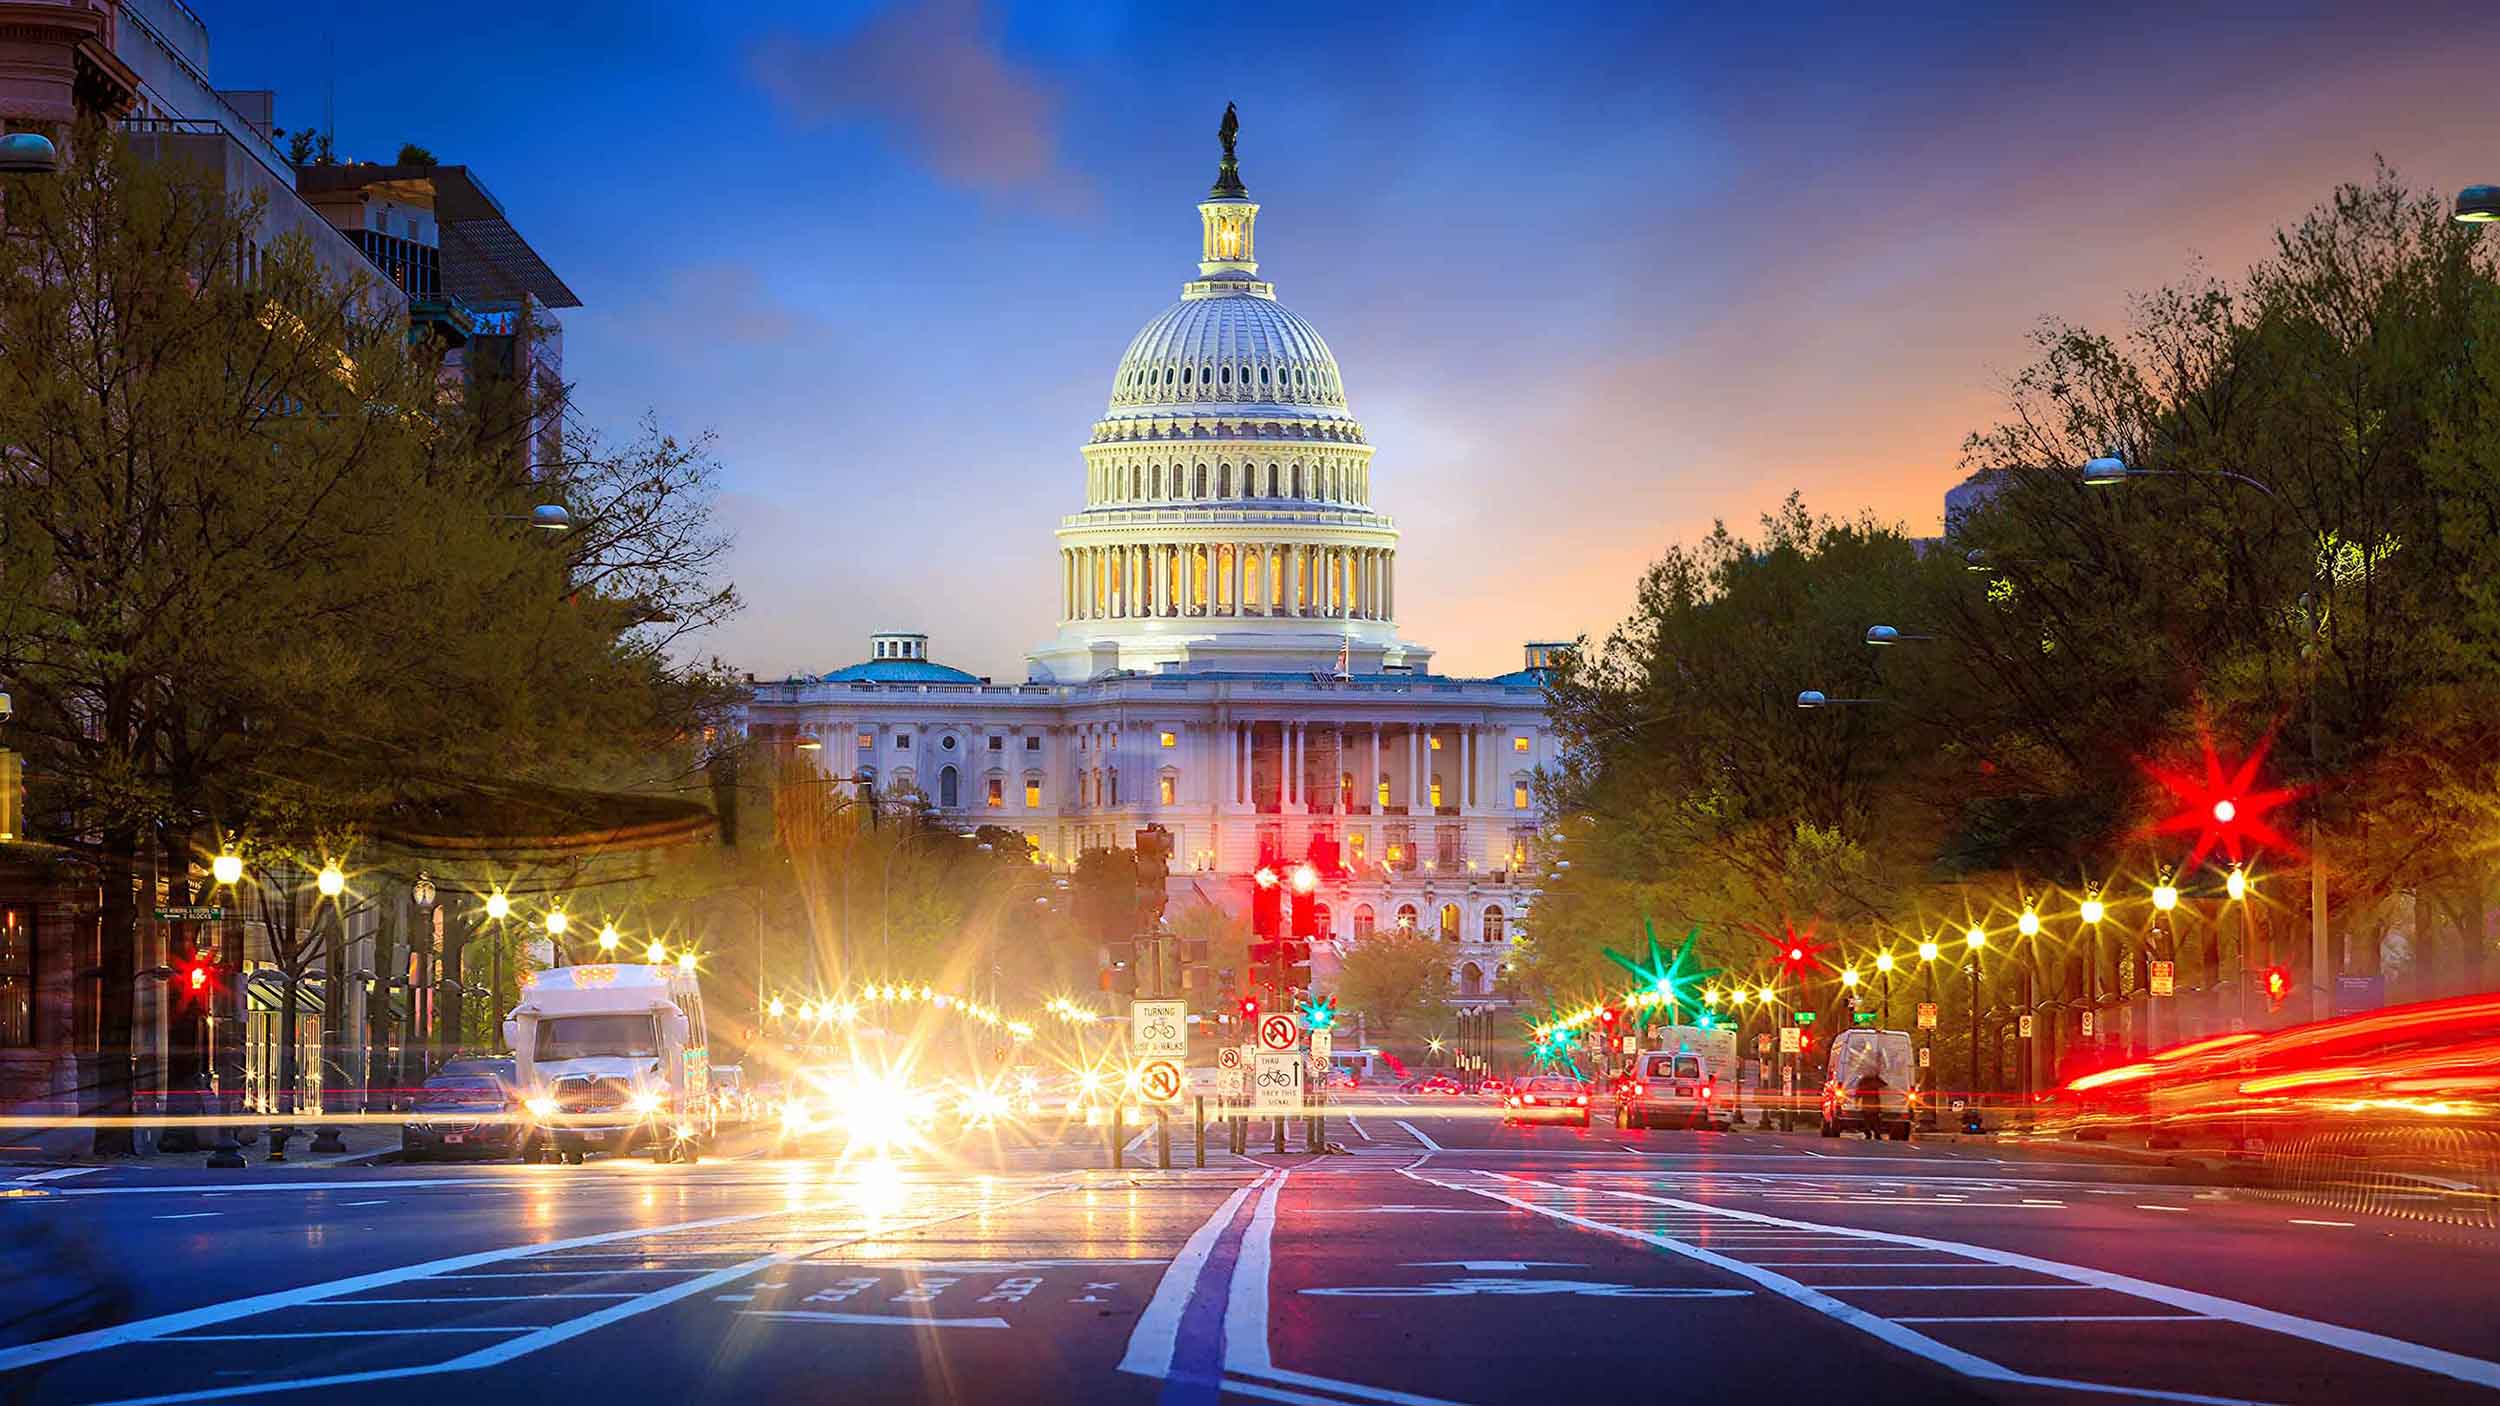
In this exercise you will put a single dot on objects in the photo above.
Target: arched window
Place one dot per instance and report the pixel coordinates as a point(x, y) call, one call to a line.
point(1471, 981)
point(1114, 780)
point(1198, 484)
point(1406, 917)
point(1345, 791)
point(1449, 922)
point(1493, 923)
point(1362, 921)
point(950, 789)
point(1223, 480)
point(1327, 921)
point(1436, 790)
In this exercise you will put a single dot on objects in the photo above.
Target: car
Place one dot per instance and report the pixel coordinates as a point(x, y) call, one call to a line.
point(495, 1131)
point(1441, 1084)
point(1548, 1098)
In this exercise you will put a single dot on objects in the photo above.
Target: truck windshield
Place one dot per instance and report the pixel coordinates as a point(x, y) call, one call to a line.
point(583, 1036)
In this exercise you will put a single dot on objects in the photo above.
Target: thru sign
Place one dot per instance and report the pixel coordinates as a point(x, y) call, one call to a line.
point(1276, 1083)
point(1279, 1032)
point(1158, 1029)
point(1789, 1039)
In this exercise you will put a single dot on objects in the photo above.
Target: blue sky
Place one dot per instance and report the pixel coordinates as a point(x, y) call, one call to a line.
point(1596, 276)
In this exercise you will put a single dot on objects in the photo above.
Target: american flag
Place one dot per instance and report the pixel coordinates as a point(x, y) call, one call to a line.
point(1345, 657)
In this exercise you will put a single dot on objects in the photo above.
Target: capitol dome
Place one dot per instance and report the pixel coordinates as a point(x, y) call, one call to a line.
point(1233, 351)
point(1228, 520)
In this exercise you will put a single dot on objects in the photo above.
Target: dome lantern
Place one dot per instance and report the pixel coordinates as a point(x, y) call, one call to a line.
point(1228, 214)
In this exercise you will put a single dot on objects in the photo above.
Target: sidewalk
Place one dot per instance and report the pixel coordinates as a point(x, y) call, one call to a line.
point(366, 1143)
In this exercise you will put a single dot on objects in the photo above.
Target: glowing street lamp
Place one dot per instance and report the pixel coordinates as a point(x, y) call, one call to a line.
point(557, 922)
point(1928, 949)
point(226, 868)
point(1976, 938)
point(2236, 884)
point(658, 953)
point(498, 907)
point(1883, 962)
point(774, 1008)
point(609, 937)
point(2093, 910)
point(685, 961)
point(2028, 924)
point(1849, 976)
point(2165, 895)
point(331, 881)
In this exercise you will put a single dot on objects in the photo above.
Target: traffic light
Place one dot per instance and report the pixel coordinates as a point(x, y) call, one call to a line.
point(195, 979)
point(1249, 1011)
point(2278, 985)
point(1319, 1015)
point(1305, 901)
point(1267, 903)
point(1154, 867)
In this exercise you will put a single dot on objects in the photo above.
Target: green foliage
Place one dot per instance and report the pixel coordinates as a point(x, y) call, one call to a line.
point(1396, 979)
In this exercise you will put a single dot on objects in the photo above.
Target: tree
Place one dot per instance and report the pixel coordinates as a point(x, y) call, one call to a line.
point(1395, 979)
point(237, 518)
point(411, 154)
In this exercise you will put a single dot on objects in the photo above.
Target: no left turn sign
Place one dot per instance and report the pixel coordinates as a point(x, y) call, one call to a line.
point(1279, 1032)
point(1161, 1081)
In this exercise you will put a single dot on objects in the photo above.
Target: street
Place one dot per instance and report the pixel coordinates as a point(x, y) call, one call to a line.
point(1444, 1257)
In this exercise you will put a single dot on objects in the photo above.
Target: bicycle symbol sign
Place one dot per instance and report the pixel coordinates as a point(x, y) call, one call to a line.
point(1279, 1032)
point(1160, 1081)
point(1228, 1057)
point(1158, 1028)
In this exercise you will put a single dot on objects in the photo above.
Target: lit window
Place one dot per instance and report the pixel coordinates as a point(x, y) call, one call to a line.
point(1165, 739)
point(1165, 790)
point(1436, 742)
point(867, 741)
point(1032, 793)
point(998, 793)
point(1519, 744)
point(1519, 795)
point(1384, 790)
point(1354, 845)
point(1436, 791)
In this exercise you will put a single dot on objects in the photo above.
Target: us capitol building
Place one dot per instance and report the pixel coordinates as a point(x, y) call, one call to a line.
point(1227, 662)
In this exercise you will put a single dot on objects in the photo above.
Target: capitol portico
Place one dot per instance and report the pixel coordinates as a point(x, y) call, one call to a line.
point(1227, 662)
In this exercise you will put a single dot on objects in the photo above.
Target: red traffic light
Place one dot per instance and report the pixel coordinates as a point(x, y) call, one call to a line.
point(1249, 1009)
point(1265, 877)
point(2278, 983)
point(198, 976)
point(1796, 954)
point(1609, 1016)
point(1305, 878)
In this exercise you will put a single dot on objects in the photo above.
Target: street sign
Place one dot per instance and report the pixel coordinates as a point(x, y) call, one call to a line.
point(2022, 1026)
point(190, 915)
point(1788, 1039)
point(1158, 1029)
point(1762, 1043)
point(1279, 1032)
point(2163, 974)
point(1862, 1017)
point(1805, 1017)
point(2087, 1022)
point(1229, 1065)
point(1161, 1081)
point(1926, 1015)
point(1923, 1053)
point(1322, 1043)
point(1276, 1083)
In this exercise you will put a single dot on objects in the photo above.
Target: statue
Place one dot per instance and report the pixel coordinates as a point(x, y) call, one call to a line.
point(1228, 177)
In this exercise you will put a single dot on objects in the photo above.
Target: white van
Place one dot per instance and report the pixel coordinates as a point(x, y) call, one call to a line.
point(612, 1057)
point(1688, 1082)
point(1888, 1059)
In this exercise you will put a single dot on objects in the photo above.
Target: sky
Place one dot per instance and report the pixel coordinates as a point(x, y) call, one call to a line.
point(1596, 276)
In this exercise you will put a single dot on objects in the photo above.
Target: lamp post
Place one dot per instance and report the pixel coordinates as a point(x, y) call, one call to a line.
point(1974, 942)
point(2113, 470)
point(422, 894)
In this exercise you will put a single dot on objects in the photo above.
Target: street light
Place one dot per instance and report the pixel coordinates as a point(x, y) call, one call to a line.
point(331, 881)
point(2110, 470)
point(1883, 962)
point(2165, 895)
point(609, 938)
point(557, 922)
point(498, 907)
point(1927, 950)
point(1815, 698)
point(658, 953)
point(2236, 884)
point(2029, 923)
point(1887, 634)
point(2476, 205)
point(1976, 938)
point(226, 868)
point(2092, 910)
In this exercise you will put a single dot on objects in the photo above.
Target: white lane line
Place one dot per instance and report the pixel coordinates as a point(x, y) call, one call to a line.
point(890, 1320)
point(466, 1298)
point(2360, 1342)
point(1417, 1134)
point(1951, 1288)
point(1872, 1324)
point(2067, 1318)
point(1152, 1342)
point(61, 1174)
point(2337, 1224)
point(2182, 1210)
point(1357, 1124)
point(189, 1215)
point(593, 1271)
point(1245, 1308)
point(366, 1203)
point(165, 1325)
point(539, 1339)
point(328, 1334)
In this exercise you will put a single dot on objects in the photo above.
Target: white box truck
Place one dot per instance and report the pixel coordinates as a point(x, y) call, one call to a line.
point(612, 1057)
point(1689, 1081)
point(1874, 1076)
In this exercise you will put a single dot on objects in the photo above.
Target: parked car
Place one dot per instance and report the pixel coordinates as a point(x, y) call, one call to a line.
point(491, 1130)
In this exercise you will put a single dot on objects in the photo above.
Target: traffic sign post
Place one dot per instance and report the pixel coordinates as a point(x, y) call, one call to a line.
point(1789, 1039)
point(1276, 1086)
point(1158, 1029)
point(2165, 978)
point(1926, 1015)
point(1228, 1068)
point(1161, 1081)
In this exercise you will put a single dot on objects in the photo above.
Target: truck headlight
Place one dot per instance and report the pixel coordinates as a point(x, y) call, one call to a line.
point(540, 1107)
point(644, 1103)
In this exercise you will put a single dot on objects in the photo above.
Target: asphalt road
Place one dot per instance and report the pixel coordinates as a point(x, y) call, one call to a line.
point(1442, 1258)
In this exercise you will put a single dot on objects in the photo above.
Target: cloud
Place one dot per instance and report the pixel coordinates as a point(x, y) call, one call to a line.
point(926, 69)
